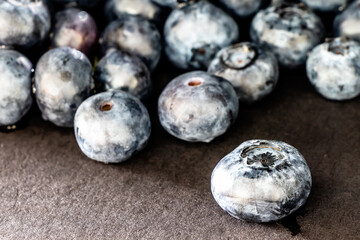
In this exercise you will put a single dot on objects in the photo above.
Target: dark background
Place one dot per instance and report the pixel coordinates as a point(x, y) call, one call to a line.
point(50, 190)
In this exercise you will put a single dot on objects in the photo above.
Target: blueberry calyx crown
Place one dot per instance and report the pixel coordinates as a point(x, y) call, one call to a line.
point(338, 46)
point(287, 10)
point(239, 56)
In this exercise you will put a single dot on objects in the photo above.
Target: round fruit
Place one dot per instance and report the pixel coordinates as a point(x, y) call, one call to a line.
point(347, 23)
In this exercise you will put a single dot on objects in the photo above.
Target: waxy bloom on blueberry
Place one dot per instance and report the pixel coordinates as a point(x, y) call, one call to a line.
point(334, 69)
point(195, 33)
point(197, 106)
point(347, 23)
point(242, 8)
point(111, 127)
point(62, 82)
point(251, 70)
point(135, 35)
point(15, 91)
point(123, 71)
point(261, 181)
point(288, 30)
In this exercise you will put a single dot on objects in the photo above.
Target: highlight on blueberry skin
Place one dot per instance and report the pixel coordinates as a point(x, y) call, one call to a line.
point(333, 68)
point(261, 181)
point(197, 107)
point(75, 28)
point(62, 82)
point(288, 30)
point(347, 23)
point(15, 91)
point(111, 127)
point(242, 8)
point(326, 5)
point(143, 8)
point(24, 24)
point(252, 71)
point(123, 71)
point(135, 35)
point(195, 33)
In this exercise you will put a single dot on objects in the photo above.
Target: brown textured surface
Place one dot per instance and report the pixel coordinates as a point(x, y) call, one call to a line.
point(50, 190)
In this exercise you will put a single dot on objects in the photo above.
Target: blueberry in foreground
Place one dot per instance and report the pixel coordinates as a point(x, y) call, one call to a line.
point(144, 8)
point(288, 30)
point(197, 106)
point(62, 82)
point(136, 35)
point(23, 24)
point(242, 8)
point(111, 127)
point(333, 68)
point(195, 33)
point(123, 71)
point(252, 71)
point(347, 23)
point(75, 28)
point(326, 5)
point(261, 181)
point(15, 91)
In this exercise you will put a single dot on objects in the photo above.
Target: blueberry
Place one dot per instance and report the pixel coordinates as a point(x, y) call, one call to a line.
point(62, 82)
point(136, 35)
point(261, 181)
point(326, 5)
point(75, 28)
point(289, 30)
point(112, 126)
point(242, 8)
point(123, 71)
point(197, 106)
point(347, 23)
point(334, 69)
point(193, 34)
point(77, 3)
point(144, 8)
point(23, 24)
point(252, 71)
point(166, 3)
point(15, 81)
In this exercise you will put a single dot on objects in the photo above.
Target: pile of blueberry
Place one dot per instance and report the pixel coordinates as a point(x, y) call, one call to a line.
point(96, 72)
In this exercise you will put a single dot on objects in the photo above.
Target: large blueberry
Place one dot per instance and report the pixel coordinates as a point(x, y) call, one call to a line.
point(347, 23)
point(251, 70)
point(112, 126)
point(334, 69)
point(136, 35)
point(261, 181)
point(62, 82)
point(197, 106)
point(123, 71)
point(289, 30)
point(144, 8)
point(243, 8)
point(193, 34)
point(326, 5)
point(24, 23)
point(75, 28)
point(15, 91)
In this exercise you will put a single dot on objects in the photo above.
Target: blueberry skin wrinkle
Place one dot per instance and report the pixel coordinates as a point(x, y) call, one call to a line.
point(62, 82)
point(347, 22)
point(15, 92)
point(23, 24)
point(261, 181)
point(135, 35)
point(112, 126)
point(251, 70)
point(123, 71)
point(197, 107)
point(75, 28)
point(333, 68)
point(288, 30)
point(194, 33)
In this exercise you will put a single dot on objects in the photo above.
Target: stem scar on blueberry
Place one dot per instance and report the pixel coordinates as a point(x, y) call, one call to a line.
point(194, 83)
point(106, 106)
